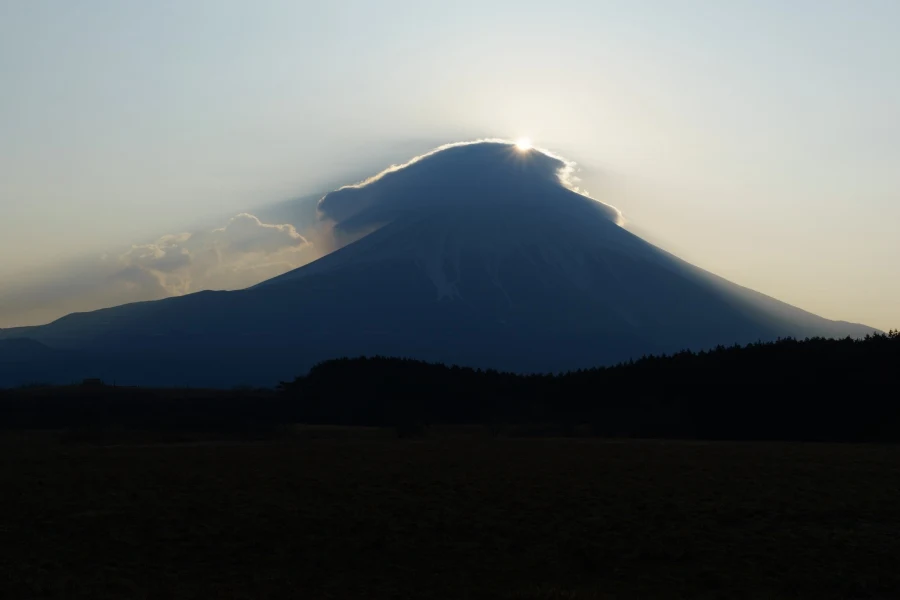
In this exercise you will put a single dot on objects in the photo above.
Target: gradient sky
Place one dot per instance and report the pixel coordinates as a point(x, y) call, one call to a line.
point(758, 139)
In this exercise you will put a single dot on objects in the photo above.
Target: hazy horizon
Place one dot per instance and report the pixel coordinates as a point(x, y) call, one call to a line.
point(752, 139)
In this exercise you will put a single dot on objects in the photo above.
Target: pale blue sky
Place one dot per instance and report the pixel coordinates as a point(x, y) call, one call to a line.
point(758, 139)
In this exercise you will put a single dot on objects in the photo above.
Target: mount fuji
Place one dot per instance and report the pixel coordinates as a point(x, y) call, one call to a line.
point(480, 254)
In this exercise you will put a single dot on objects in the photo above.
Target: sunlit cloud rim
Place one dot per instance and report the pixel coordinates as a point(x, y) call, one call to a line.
point(566, 173)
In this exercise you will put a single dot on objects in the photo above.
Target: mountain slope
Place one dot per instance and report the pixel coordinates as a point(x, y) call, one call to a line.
point(480, 255)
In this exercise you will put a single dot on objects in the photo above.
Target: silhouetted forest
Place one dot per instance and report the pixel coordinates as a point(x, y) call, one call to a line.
point(816, 390)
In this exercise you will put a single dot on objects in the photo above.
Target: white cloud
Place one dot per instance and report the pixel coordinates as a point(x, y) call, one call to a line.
point(247, 234)
point(242, 253)
point(165, 255)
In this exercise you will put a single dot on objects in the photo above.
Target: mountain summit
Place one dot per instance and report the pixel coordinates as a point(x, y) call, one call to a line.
point(480, 254)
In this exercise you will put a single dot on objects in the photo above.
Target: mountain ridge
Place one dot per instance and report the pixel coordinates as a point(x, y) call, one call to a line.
point(479, 255)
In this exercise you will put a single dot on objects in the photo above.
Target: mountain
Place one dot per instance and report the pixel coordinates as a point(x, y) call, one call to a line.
point(477, 254)
point(17, 350)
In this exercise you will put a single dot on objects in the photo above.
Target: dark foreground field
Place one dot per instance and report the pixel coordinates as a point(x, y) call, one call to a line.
point(363, 515)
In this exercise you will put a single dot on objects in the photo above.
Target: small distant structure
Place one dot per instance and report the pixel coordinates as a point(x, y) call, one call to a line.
point(92, 382)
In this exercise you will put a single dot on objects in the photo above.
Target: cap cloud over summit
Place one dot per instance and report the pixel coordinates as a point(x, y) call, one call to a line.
point(470, 176)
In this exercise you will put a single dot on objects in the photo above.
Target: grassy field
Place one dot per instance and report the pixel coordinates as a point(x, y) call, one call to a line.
point(364, 515)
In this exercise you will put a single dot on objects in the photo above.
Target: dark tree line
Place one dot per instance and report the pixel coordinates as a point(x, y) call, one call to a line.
point(816, 389)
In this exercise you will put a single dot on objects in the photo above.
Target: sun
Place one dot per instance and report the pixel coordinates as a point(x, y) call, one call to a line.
point(523, 145)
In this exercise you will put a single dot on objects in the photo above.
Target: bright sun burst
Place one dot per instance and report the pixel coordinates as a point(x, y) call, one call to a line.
point(523, 145)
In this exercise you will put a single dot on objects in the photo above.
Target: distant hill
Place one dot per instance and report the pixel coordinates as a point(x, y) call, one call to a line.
point(480, 255)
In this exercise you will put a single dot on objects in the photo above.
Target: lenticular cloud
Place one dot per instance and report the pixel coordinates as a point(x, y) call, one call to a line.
point(468, 175)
